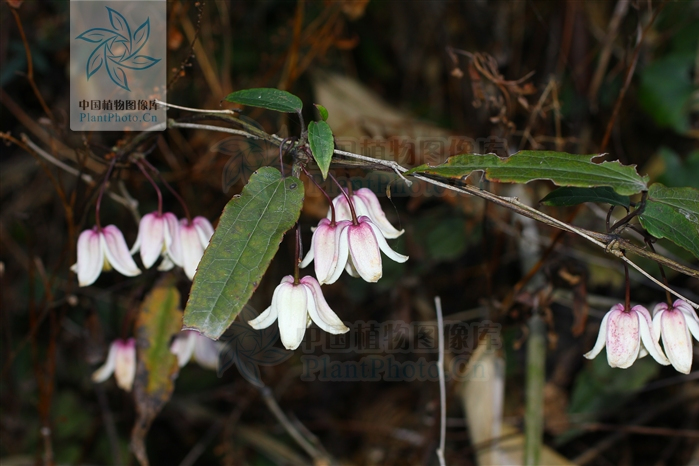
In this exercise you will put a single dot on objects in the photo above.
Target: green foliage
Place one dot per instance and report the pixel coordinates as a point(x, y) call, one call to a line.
point(247, 238)
point(561, 168)
point(673, 213)
point(320, 138)
point(568, 196)
point(271, 99)
point(322, 111)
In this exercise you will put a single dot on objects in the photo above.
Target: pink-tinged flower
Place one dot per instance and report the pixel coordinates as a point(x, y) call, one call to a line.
point(365, 203)
point(359, 250)
point(676, 325)
point(101, 250)
point(627, 336)
point(155, 234)
point(294, 304)
point(190, 343)
point(324, 251)
point(121, 361)
point(189, 243)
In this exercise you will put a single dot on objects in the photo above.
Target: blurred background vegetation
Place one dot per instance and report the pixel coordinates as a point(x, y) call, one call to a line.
point(618, 77)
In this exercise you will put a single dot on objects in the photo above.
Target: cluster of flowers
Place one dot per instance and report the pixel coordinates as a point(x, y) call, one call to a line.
point(630, 334)
point(180, 243)
point(351, 238)
point(121, 360)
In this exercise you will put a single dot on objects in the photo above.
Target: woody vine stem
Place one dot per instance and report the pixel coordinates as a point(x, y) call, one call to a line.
point(610, 242)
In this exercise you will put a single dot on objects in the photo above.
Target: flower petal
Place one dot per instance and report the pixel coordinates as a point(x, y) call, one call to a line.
point(265, 319)
point(166, 264)
point(376, 213)
point(650, 343)
point(601, 339)
point(206, 352)
point(151, 237)
point(319, 310)
point(342, 210)
point(90, 257)
point(117, 253)
point(676, 340)
point(342, 242)
point(623, 338)
point(364, 250)
point(107, 369)
point(325, 250)
point(293, 315)
point(192, 250)
point(204, 229)
point(173, 240)
point(383, 245)
point(125, 365)
point(183, 347)
point(270, 314)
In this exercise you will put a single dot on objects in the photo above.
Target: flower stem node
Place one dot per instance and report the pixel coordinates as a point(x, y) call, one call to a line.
point(628, 335)
point(101, 249)
point(676, 325)
point(121, 361)
point(295, 305)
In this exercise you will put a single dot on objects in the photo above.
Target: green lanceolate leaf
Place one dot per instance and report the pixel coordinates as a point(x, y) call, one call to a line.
point(561, 168)
point(320, 138)
point(244, 243)
point(567, 196)
point(159, 320)
point(271, 99)
point(673, 213)
point(322, 111)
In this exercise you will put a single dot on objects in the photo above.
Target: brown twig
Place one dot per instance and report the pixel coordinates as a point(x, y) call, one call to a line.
point(627, 80)
point(30, 66)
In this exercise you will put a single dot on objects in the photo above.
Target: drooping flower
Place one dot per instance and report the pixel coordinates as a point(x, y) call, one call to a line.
point(189, 243)
point(293, 305)
point(324, 251)
point(359, 250)
point(101, 249)
point(365, 203)
point(190, 343)
point(155, 235)
point(121, 361)
point(676, 325)
point(627, 336)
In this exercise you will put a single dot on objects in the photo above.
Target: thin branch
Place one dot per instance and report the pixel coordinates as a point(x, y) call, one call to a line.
point(442, 383)
point(50, 158)
point(612, 244)
point(176, 124)
point(197, 110)
point(273, 406)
